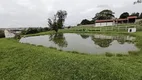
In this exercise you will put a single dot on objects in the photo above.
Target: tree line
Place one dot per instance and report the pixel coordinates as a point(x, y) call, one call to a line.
point(54, 23)
point(108, 14)
point(126, 14)
point(2, 34)
point(34, 30)
point(138, 1)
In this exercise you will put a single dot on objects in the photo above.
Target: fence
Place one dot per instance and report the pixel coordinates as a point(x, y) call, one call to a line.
point(112, 28)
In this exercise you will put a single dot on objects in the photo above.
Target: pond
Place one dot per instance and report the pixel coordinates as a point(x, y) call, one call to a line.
point(85, 43)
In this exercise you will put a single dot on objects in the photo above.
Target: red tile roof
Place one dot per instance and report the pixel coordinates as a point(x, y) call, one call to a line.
point(99, 21)
point(111, 20)
point(121, 19)
point(131, 17)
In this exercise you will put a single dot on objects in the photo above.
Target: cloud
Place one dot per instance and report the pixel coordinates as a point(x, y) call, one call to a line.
point(88, 10)
point(34, 13)
point(103, 6)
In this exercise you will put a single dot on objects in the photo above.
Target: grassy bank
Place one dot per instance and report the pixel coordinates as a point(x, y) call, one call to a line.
point(27, 62)
point(119, 29)
point(77, 30)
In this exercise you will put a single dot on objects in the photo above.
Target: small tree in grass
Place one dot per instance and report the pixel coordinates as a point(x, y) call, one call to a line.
point(52, 23)
point(57, 21)
point(61, 15)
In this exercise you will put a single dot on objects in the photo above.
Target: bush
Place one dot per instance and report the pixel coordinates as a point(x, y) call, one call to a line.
point(109, 54)
point(34, 30)
point(17, 36)
point(2, 34)
point(119, 55)
point(133, 53)
point(140, 23)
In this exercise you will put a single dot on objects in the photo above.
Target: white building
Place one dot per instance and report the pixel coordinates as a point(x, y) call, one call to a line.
point(132, 30)
point(101, 23)
point(9, 34)
point(112, 22)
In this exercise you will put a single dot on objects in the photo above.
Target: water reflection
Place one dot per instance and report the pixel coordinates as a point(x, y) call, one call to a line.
point(58, 39)
point(105, 40)
point(92, 43)
point(84, 36)
point(102, 42)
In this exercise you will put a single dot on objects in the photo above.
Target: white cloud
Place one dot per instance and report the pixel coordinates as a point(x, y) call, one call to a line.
point(103, 6)
point(88, 10)
point(26, 13)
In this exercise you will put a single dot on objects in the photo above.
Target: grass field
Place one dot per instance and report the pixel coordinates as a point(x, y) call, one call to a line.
point(119, 29)
point(28, 62)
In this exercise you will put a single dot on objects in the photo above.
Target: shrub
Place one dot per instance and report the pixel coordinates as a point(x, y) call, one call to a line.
point(133, 53)
point(17, 36)
point(119, 55)
point(2, 34)
point(34, 30)
point(140, 23)
point(109, 54)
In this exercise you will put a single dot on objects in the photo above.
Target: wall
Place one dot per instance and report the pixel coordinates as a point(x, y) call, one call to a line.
point(137, 20)
point(131, 30)
point(8, 34)
point(88, 25)
point(104, 24)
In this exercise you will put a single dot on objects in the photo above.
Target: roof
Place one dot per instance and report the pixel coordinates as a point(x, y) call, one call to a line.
point(131, 17)
point(99, 21)
point(111, 20)
point(121, 19)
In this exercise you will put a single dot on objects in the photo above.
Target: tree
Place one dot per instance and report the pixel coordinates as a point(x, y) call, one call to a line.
point(124, 15)
point(61, 15)
point(58, 39)
point(85, 21)
point(52, 23)
point(78, 24)
point(58, 20)
point(46, 29)
point(138, 1)
point(135, 14)
point(2, 34)
point(140, 16)
point(103, 15)
point(31, 30)
point(85, 36)
point(102, 42)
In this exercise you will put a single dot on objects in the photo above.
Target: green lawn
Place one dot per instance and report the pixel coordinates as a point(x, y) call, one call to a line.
point(28, 62)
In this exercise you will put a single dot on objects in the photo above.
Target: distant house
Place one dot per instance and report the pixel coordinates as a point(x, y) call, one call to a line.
point(101, 23)
point(112, 22)
point(132, 19)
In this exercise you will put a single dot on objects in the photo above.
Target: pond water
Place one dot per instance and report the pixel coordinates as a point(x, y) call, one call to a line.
point(85, 43)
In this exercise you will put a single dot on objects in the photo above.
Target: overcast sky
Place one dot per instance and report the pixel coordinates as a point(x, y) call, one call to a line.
point(34, 13)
